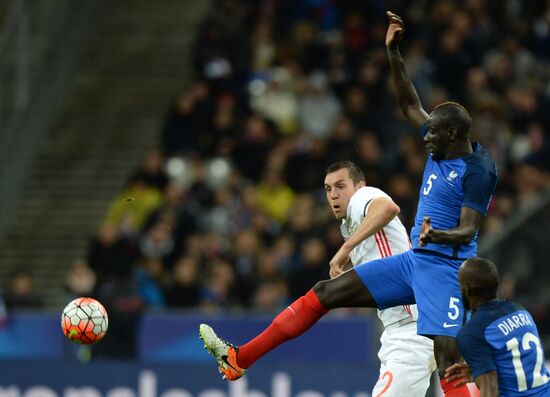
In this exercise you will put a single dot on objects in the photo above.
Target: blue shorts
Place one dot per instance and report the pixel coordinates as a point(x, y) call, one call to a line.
point(429, 280)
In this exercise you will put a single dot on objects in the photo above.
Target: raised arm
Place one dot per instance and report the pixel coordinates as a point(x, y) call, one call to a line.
point(406, 94)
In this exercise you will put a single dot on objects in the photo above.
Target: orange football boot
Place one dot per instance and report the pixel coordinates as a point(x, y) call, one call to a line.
point(224, 353)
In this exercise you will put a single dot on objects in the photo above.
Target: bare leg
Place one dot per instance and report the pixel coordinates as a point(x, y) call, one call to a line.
point(446, 353)
point(347, 290)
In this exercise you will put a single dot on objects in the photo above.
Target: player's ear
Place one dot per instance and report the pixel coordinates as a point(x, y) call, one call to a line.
point(361, 184)
point(452, 133)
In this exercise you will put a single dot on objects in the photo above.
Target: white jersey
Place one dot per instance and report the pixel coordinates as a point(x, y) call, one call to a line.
point(391, 240)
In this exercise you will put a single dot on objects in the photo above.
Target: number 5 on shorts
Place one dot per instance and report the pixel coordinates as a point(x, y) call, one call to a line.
point(455, 311)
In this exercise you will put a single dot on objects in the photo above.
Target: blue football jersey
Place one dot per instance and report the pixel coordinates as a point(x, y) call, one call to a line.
point(501, 336)
point(449, 185)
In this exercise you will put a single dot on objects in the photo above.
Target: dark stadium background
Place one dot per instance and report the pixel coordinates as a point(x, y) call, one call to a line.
point(167, 158)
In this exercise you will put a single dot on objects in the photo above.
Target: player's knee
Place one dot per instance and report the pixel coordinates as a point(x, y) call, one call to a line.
point(346, 290)
point(322, 290)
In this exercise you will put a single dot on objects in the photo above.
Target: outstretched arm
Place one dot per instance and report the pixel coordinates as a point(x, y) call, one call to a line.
point(406, 94)
point(381, 211)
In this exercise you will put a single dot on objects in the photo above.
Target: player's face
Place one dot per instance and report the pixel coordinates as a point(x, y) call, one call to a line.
point(436, 139)
point(339, 188)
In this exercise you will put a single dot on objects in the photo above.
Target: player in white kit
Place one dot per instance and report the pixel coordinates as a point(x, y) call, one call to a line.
point(372, 230)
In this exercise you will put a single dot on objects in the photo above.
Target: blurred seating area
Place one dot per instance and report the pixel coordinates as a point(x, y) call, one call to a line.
point(229, 211)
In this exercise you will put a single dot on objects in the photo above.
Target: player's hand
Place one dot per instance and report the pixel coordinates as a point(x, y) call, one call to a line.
point(426, 232)
point(395, 30)
point(338, 262)
point(459, 371)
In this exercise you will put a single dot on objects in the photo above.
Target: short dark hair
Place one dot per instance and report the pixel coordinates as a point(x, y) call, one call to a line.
point(455, 115)
point(355, 173)
point(482, 276)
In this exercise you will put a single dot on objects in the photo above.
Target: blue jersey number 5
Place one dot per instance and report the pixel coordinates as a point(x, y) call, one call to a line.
point(429, 184)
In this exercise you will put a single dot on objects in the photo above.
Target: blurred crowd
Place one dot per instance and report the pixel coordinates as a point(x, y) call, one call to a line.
point(230, 211)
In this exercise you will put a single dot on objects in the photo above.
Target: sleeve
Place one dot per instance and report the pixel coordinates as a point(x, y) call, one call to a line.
point(479, 185)
point(360, 202)
point(423, 130)
point(477, 352)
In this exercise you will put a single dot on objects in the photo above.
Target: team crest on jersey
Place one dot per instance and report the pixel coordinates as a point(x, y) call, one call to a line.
point(452, 175)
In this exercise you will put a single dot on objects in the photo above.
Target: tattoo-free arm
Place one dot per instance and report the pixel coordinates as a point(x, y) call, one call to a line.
point(381, 211)
point(487, 384)
point(470, 220)
point(407, 97)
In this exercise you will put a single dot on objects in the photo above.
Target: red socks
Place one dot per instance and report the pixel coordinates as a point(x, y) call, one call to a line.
point(290, 323)
point(467, 390)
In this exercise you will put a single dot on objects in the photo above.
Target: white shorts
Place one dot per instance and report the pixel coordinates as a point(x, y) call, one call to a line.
point(407, 362)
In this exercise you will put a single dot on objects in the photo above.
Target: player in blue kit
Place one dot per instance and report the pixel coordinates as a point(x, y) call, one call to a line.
point(500, 343)
point(459, 180)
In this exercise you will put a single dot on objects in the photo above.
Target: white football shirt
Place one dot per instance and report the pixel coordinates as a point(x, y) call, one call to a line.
point(390, 240)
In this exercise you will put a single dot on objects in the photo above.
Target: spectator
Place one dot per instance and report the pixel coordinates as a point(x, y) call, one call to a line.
point(319, 108)
point(80, 280)
point(130, 210)
point(189, 112)
point(151, 172)
point(253, 147)
point(274, 196)
point(109, 255)
point(247, 247)
point(158, 242)
point(185, 288)
point(277, 102)
point(314, 267)
point(217, 292)
point(150, 278)
point(311, 85)
point(22, 294)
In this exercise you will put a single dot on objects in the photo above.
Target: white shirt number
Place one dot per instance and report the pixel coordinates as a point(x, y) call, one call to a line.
point(453, 315)
point(513, 346)
point(429, 184)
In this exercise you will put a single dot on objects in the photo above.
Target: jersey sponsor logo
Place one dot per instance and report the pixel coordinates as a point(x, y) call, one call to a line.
point(447, 325)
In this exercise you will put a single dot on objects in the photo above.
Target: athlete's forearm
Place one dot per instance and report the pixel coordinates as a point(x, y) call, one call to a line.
point(404, 88)
point(457, 236)
point(487, 384)
point(487, 392)
point(381, 212)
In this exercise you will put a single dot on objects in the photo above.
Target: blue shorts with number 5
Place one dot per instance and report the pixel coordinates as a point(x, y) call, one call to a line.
point(421, 277)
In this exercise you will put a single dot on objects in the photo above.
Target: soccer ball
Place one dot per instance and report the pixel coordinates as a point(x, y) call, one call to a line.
point(84, 321)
